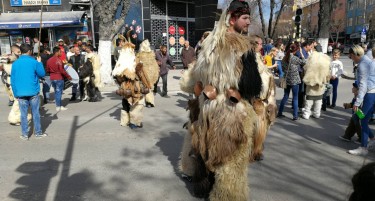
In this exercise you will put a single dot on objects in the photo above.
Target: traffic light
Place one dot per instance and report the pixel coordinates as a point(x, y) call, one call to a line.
point(297, 21)
point(297, 18)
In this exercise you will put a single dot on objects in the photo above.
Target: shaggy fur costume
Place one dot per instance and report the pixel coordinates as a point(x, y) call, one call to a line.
point(8, 87)
point(132, 79)
point(95, 60)
point(316, 77)
point(14, 116)
point(147, 57)
point(86, 73)
point(222, 132)
point(266, 108)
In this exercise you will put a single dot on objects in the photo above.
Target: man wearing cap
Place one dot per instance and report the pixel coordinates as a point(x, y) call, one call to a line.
point(64, 49)
point(222, 120)
point(365, 97)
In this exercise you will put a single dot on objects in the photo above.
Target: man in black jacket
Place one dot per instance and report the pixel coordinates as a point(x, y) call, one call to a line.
point(77, 60)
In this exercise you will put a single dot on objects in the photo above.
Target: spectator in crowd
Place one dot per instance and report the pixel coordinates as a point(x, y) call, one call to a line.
point(163, 59)
point(70, 52)
point(187, 54)
point(329, 49)
point(364, 184)
point(365, 97)
point(199, 44)
point(26, 72)
point(304, 53)
point(291, 64)
point(57, 74)
point(354, 124)
point(279, 57)
point(77, 61)
point(268, 46)
point(369, 52)
point(269, 59)
point(37, 43)
point(337, 69)
point(64, 49)
point(45, 55)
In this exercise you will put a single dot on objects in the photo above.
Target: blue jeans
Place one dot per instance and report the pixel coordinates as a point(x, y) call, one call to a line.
point(24, 103)
point(295, 89)
point(335, 84)
point(58, 85)
point(280, 69)
point(46, 87)
point(367, 109)
point(74, 88)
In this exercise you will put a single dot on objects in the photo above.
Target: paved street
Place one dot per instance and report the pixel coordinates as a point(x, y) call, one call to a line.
point(89, 156)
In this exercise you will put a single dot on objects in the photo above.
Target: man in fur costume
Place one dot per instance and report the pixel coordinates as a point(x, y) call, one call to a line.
point(95, 60)
point(317, 75)
point(16, 52)
point(265, 106)
point(150, 66)
point(226, 82)
point(133, 81)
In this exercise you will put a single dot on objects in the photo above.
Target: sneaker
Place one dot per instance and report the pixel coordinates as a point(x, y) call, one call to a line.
point(62, 108)
point(345, 138)
point(371, 144)
point(360, 151)
point(22, 137)
point(38, 136)
point(295, 118)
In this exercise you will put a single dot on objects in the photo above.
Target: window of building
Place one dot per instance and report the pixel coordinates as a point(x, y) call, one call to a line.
point(350, 5)
point(350, 22)
point(360, 20)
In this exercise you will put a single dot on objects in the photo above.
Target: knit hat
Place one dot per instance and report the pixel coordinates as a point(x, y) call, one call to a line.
point(239, 7)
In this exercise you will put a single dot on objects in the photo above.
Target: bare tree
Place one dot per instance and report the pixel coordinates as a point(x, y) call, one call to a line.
point(336, 27)
point(325, 10)
point(282, 6)
point(109, 27)
point(259, 2)
point(272, 7)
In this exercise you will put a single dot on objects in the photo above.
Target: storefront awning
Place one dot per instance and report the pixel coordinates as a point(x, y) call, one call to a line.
point(32, 20)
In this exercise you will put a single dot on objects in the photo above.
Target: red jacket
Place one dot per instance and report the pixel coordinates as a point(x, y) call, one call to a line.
point(56, 69)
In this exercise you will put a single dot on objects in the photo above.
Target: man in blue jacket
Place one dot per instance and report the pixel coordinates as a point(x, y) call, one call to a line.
point(26, 72)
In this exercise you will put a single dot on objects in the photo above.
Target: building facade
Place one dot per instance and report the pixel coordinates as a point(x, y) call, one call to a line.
point(20, 22)
point(358, 17)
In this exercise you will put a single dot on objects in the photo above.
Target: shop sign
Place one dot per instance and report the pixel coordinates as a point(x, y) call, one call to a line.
point(35, 2)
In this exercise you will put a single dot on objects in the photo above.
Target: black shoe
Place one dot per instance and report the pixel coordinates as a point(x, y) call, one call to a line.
point(324, 109)
point(332, 106)
point(295, 118)
point(345, 138)
point(280, 116)
point(10, 103)
point(73, 98)
point(133, 126)
point(259, 157)
point(148, 105)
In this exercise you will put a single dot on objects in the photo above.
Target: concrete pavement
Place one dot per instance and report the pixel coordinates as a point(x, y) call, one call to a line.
point(89, 156)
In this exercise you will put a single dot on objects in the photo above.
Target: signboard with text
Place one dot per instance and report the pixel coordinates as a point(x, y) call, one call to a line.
point(35, 2)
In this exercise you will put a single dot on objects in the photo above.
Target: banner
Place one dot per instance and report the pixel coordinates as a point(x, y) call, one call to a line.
point(35, 2)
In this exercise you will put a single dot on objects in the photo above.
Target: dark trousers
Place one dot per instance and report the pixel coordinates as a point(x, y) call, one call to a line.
point(335, 84)
point(164, 78)
point(353, 127)
point(301, 95)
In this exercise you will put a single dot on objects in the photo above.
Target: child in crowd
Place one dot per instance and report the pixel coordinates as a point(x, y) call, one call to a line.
point(354, 125)
point(269, 59)
point(337, 68)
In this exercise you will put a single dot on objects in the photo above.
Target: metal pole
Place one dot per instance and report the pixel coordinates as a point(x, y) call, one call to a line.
point(92, 23)
point(40, 28)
